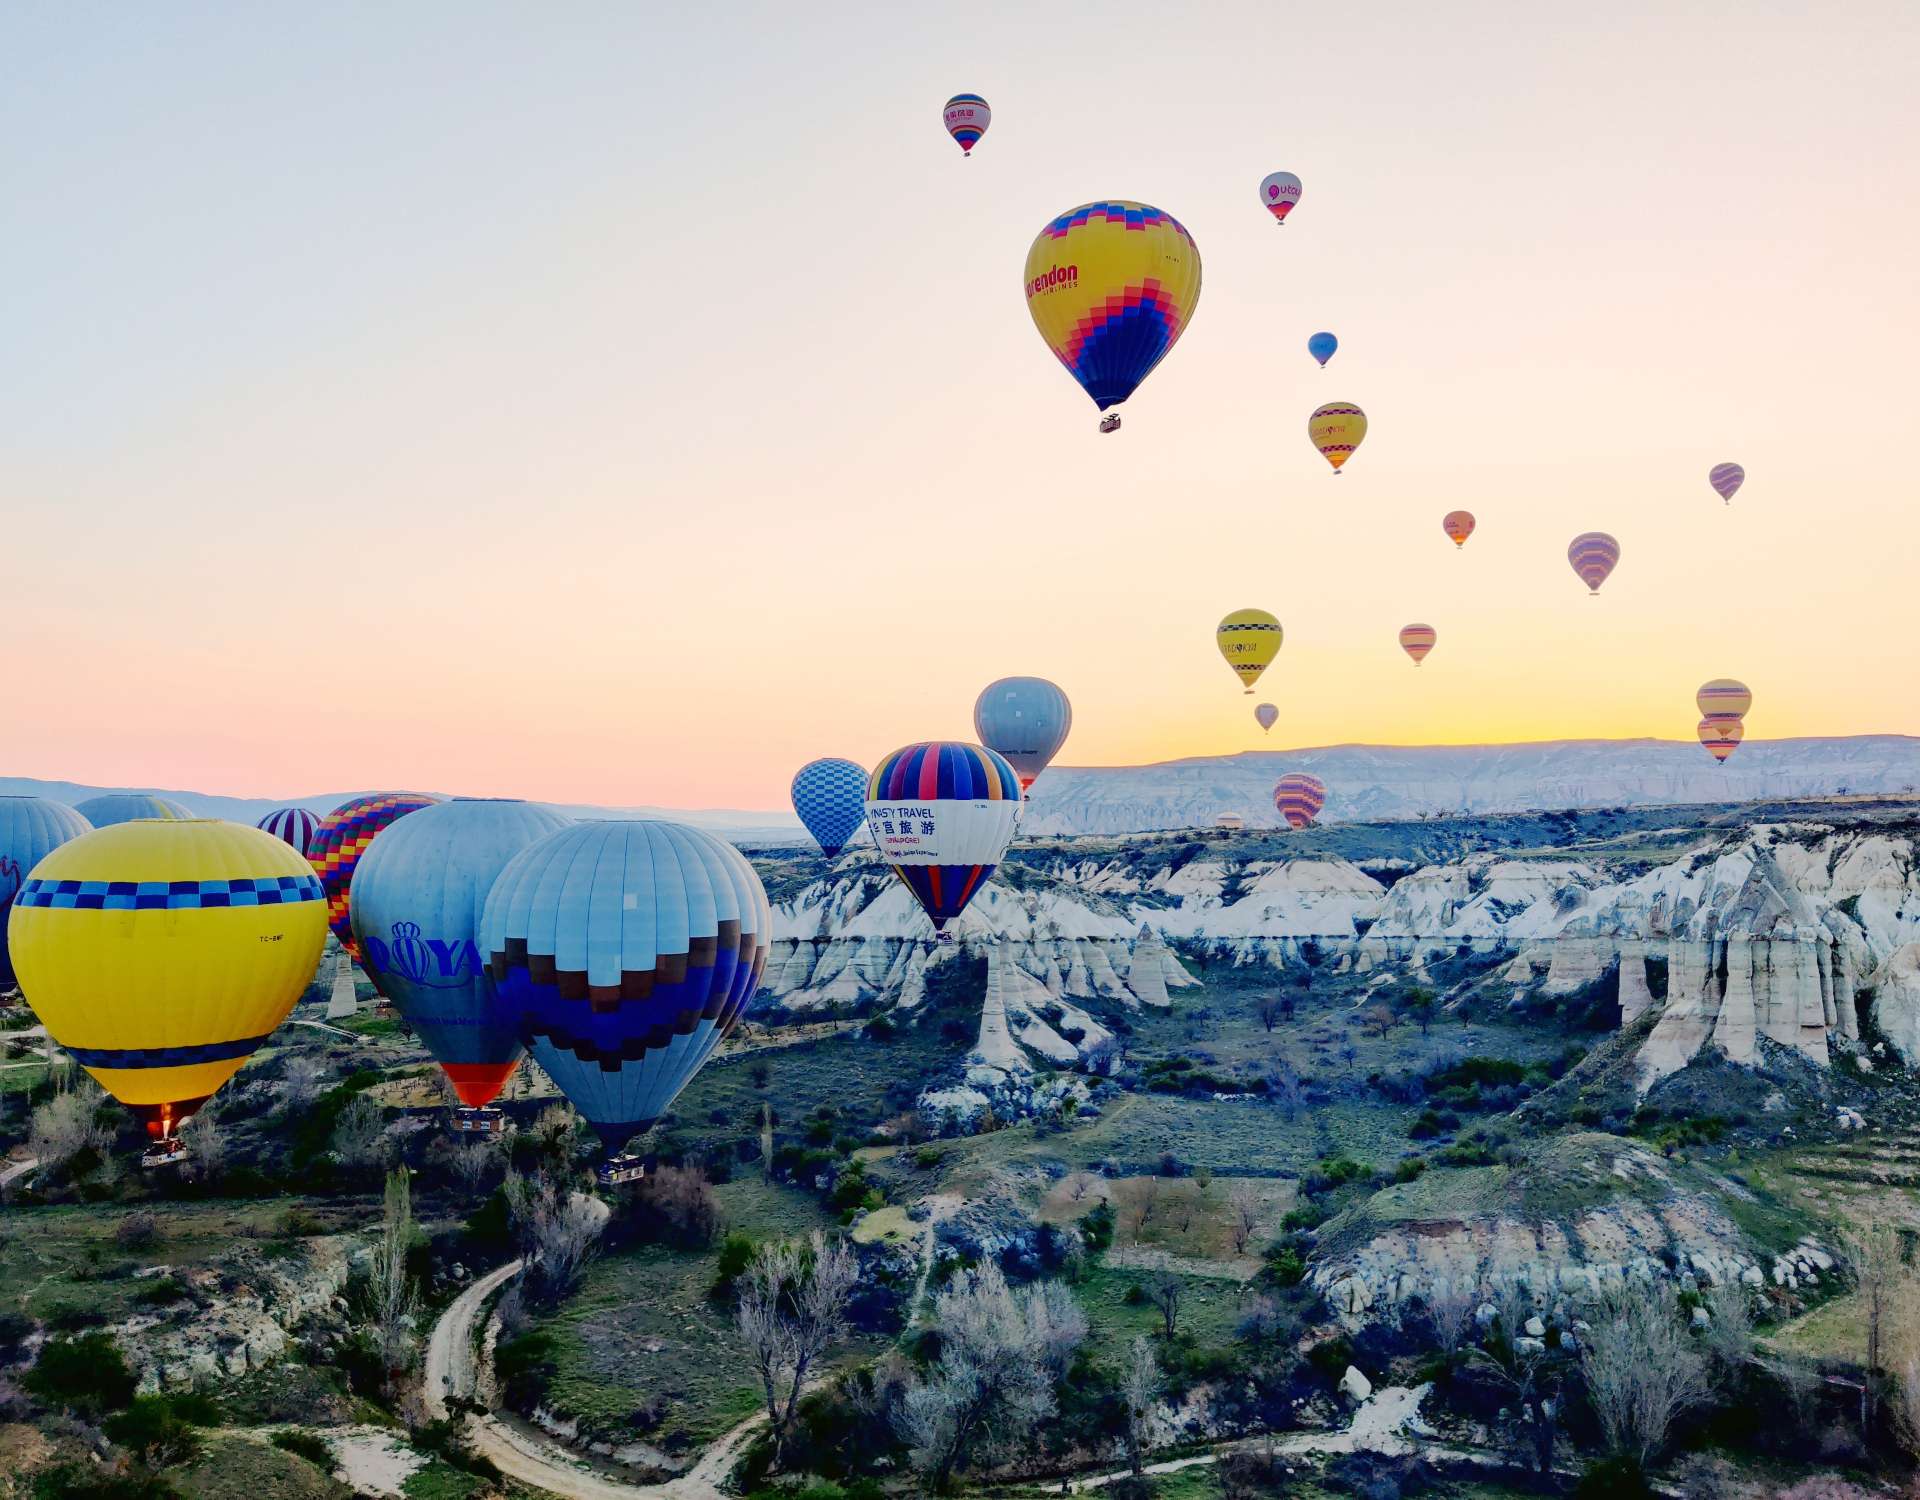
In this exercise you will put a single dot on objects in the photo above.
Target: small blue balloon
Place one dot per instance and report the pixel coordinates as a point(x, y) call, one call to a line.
point(1321, 347)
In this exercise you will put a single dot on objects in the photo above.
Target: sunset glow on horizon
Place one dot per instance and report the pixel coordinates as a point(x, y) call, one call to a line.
point(608, 405)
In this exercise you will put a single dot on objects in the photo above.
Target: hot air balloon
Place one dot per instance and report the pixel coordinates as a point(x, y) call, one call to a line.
point(1299, 797)
point(1726, 479)
point(1266, 714)
point(966, 117)
point(1279, 192)
point(1249, 639)
point(1593, 555)
point(1417, 641)
point(831, 798)
point(1721, 737)
point(124, 807)
point(1337, 430)
point(161, 954)
point(342, 838)
point(1723, 700)
point(31, 828)
point(1458, 525)
point(1111, 287)
point(1026, 719)
point(291, 825)
point(627, 951)
point(942, 814)
point(417, 897)
point(1321, 347)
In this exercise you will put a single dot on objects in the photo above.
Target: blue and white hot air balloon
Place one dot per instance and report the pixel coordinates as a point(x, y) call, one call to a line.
point(1026, 719)
point(627, 951)
point(830, 796)
point(31, 828)
point(1321, 347)
point(124, 807)
point(418, 893)
point(291, 825)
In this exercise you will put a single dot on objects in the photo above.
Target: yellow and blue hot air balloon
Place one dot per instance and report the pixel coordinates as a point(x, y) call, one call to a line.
point(1111, 286)
point(1026, 719)
point(161, 954)
point(31, 828)
point(830, 799)
point(942, 813)
point(123, 807)
point(417, 898)
point(627, 951)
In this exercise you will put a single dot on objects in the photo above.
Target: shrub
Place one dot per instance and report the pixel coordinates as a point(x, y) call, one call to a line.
point(1410, 1169)
point(139, 1230)
point(1097, 1226)
point(1619, 1478)
point(86, 1372)
point(154, 1432)
point(736, 1254)
point(1286, 1267)
point(307, 1445)
point(525, 1367)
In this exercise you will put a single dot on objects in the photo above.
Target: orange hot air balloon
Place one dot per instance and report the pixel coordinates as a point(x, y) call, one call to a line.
point(1417, 641)
point(1458, 524)
point(1721, 737)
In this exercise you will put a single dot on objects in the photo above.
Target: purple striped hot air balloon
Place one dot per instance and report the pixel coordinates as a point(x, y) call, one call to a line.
point(1725, 479)
point(1298, 798)
point(291, 825)
point(1594, 555)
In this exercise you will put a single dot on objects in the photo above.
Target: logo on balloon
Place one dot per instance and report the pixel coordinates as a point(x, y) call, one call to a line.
point(1273, 190)
point(1056, 276)
point(429, 961)
point(9, 880)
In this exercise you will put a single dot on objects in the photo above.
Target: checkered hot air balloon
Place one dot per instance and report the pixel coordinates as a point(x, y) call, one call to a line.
point(1026, 719)
point(627, 952)
point(1593, 555)
point(942, 814)
point(1337, 430)
point(291, 825)
point(830, 798)
point(1726, 480)
point(1298, 798)
point(966, 117)
point(31, 828)
point(340, 840)
point(1249, 640)
point(1417, 641)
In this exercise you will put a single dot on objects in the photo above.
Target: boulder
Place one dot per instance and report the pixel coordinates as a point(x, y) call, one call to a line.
point(1355, 1386)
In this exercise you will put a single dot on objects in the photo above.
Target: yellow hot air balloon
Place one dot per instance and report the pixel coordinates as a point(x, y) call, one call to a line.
point(1337, 429)
point(1723, 700)
point(162, 954)
point(1249, 639)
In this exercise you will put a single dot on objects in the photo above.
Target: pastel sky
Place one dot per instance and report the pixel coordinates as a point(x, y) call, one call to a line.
point(626, 403)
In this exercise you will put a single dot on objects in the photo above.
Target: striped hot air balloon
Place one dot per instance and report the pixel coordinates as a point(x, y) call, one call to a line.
point(966, 117)
point(942, 814)
point(124, 807)
point(1266, 715)
point(1723, 700)
point(342, 837)
point(1249, 640)
point(1299, 797)
point(1458, 525)
point(1417, 641)
point(1593, 555)
point(291, 825)
point(1721, 737)
point(628, 952)
point(31, 828)
point(161, 954)
point(1026, 719)
point(1337, 430)
point(830, 797)
point(1726, 480)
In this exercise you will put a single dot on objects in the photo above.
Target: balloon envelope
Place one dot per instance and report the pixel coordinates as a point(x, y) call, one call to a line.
point(162, 954)
point(1299, 797)
point(1321, 347)
point(124, 807)
point(31, 828)
point(1723, 699)
point(1593, 555)
point(966, 117)
point(1417, 641)
point(344, 835)
point(418, 894)
point(1279, 192)
point(830, 797)
point(1458, 525)
point(1267, 715)
point(1726, 479)
point(1111, 286)
point(291, 825)
point(1249, 640)
point(942, 813)
point(627, 951)
point(1026, 719)
point(1337, 430)
point(1721, 737)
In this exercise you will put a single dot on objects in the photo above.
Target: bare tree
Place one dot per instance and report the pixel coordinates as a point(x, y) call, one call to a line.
point(1641, 1367)
point(994, 1380)
point(1078, 1185)
point(1243, 1208)
point(1727, 1339)
point(1378, 1018)
point(792, 1310)
point(1531, 1371)
point(1059, 1325)
point(66, 1125)
point(471, 1162)
point(206, 1145)
point(1164, 1290)
point(390, 1288)
point(1878, 1259)
point(300, 1081)
point(1285, 1087)
point(1140, 1386)
point(1269, 1011)
point(360, 1134)
point(1450, 1311)
point(558, 1231)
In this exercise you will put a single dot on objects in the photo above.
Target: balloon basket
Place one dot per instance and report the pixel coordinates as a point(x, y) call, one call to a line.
point(169, 1151)
point(622, 1168)
point(1110, 423)
point(483, 1121)
point(944, 937)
